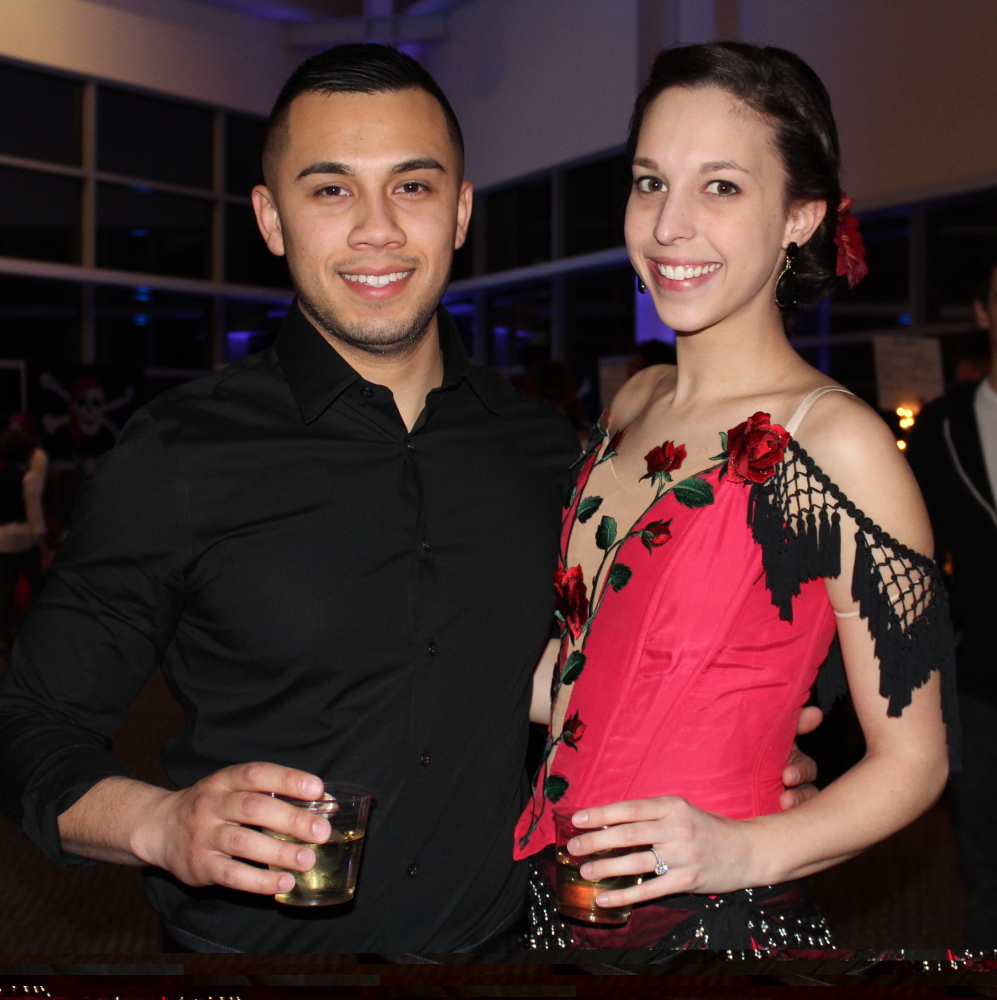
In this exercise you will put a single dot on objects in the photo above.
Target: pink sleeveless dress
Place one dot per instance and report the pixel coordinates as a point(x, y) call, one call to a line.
point(694, 622)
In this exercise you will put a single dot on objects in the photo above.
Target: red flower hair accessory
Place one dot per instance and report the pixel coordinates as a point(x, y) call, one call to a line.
point(851, 248)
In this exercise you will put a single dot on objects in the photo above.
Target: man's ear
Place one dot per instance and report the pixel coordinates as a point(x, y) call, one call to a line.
point(981, 315)
point(804, 218)
point(268, 219)
point(464, 203)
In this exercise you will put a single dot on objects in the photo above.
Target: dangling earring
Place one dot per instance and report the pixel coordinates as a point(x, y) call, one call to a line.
point(785, 287)
point(641, 287)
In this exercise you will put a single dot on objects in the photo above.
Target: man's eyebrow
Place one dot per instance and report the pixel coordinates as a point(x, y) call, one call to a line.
point(420, 163)
point(713, 165)
point(328, 167)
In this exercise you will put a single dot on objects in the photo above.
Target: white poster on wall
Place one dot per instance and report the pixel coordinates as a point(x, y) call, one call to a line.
point(908, 371)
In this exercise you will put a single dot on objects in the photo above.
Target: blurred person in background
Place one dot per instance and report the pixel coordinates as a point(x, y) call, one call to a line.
point(953, 452)
point(23, 469)
point(650, 352)
point(555, 382)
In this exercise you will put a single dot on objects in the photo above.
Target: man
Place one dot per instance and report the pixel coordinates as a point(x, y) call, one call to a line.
point(953, 451)
point(340, 550)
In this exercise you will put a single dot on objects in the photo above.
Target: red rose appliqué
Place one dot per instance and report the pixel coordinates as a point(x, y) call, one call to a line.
point(571, 599)
point(665, 458)
point(754, 449)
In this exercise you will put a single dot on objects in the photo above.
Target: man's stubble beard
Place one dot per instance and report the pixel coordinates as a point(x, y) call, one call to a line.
point(382, 339)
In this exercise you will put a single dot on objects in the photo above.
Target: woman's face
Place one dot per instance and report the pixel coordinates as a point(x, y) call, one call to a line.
point(706, 220)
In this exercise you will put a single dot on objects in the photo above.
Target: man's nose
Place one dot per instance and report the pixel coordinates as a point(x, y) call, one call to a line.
point(376, 225)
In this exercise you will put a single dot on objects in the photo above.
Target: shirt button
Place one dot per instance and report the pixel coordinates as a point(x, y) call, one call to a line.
point(366, 392)
point(425, 544)
point(412, 871)
point(425, 759)
point(431, 647)
point(410, 444)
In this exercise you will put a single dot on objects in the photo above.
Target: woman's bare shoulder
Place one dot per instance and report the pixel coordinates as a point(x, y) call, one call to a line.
point(853, 445)
point(638, 391)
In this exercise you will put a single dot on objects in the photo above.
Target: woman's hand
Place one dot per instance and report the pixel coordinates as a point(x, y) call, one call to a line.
point(705, 852)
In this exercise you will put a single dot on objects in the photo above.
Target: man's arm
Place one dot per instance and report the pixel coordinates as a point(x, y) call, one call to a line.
point(100, 628)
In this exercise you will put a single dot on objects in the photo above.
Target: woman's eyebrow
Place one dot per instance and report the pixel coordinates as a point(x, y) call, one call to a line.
point(710, 166)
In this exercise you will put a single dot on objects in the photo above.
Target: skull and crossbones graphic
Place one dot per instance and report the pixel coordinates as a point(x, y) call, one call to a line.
point(87, 407)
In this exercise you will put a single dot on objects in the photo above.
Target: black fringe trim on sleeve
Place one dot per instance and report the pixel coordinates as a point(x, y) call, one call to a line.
point(795, 516)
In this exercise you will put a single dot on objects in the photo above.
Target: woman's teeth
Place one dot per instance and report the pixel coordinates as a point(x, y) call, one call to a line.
point(684, 271)
point(377, 280)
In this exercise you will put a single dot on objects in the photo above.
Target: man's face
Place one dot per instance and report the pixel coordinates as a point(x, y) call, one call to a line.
point(986, 312)
point(367, 205)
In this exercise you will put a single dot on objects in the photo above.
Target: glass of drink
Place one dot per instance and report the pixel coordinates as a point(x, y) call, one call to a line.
point(334, 878)
point(576, 895)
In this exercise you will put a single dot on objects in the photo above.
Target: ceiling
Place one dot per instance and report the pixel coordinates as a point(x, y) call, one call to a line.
point(310, 10)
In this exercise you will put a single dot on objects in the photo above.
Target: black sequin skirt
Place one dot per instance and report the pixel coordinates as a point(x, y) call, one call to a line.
point(774, 917)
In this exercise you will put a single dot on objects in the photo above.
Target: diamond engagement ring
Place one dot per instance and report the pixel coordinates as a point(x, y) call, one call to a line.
point(660, 868)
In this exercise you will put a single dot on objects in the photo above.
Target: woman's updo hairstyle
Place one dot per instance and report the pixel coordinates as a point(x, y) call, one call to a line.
point(788, 94)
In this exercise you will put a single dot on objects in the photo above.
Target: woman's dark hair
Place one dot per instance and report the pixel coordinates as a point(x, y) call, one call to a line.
point(359, 68)
point(781, 88)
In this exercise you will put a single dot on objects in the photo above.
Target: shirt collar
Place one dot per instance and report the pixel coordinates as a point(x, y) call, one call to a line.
point(318, 374)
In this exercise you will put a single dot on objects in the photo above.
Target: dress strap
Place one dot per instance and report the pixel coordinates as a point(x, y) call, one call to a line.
point(793, 424)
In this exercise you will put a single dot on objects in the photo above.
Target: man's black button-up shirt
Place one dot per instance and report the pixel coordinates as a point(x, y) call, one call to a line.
point(263, 534)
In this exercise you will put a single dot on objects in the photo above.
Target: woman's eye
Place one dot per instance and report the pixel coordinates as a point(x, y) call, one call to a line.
point(722, 188)
point(649, 185)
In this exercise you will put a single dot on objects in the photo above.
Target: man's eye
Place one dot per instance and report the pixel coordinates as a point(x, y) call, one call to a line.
point(333, 191)
point(723, 188)
point(413, 187)
point(649, 185)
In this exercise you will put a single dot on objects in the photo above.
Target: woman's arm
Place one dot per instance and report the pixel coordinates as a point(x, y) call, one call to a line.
point(905, 764)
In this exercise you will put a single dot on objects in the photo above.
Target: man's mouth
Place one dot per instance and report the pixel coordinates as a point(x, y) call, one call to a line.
point(377, 280)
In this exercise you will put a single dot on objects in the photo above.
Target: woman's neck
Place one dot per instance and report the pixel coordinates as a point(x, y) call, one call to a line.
point(746, 354)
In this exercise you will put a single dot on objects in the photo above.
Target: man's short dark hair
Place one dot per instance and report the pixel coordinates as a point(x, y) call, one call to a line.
point(981, 290)
point(363, 68)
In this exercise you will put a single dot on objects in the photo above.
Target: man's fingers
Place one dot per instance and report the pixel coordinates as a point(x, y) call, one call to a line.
point(810, 718)
point(256, 809)
point(261, 776)
point(232, 874)
point(241, 842)
point(796, 796)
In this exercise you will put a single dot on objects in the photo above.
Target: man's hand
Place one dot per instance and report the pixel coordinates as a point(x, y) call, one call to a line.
point(801, 770)
point(199, 833)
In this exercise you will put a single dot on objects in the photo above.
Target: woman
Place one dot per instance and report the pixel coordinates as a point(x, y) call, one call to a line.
point(732, 517)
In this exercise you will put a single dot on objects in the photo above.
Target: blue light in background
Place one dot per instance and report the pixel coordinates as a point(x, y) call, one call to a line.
point(647, 326)
point(141, 320)
point(904, 319)
point(238, 343)
point(142, 294)
point(139, 232)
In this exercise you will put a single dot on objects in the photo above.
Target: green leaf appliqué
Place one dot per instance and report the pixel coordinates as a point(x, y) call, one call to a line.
point(619, 576)
point(573, 668)
point(694, 492)
point(605, 534)
point(588, 507)
point(555, 787)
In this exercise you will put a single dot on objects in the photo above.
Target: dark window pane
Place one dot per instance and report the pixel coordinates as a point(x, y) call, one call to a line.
point(600, 311)
point(39, 115)
point(518, 226)
point(962, 243)
point(250, 327)
point(39, 216)
point(146, 137)
point(887, 243)
point(519, 321)
point(39, 320)
point(247, 259)
point(595, 196)
point(243, 153)
point(143, 230)
point(152, 329)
